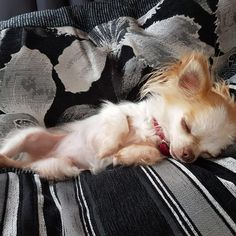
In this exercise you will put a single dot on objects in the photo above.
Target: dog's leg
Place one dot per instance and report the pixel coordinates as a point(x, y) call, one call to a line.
point(49, 168)
point(35, 141)
point(54, 168)
point(138, 154)
point(6, 162)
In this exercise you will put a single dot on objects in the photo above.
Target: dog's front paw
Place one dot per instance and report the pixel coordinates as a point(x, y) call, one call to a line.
point(137, 155)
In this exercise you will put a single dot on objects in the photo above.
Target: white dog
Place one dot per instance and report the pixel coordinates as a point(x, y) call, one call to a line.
point(184, 110)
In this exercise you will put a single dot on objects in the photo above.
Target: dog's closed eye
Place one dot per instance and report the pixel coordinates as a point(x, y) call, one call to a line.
point(185, 126)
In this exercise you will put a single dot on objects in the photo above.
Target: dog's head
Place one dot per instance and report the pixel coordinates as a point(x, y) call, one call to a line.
point(199, 115)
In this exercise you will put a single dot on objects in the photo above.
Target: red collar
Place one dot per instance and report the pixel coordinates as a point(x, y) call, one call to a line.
point(163, 146)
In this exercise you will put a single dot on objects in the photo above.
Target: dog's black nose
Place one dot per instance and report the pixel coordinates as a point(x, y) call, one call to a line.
point(188, 155)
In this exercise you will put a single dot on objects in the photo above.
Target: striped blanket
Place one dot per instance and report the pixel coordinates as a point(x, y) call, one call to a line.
point(167, 199)
point(58, 65)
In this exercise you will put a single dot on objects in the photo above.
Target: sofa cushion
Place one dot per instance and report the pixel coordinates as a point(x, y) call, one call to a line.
point(11, 8)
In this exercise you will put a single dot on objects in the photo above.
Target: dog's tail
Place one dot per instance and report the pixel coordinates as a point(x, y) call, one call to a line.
point(6, 162)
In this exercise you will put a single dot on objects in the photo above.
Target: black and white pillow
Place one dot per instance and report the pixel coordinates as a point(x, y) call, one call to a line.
point(56, 72)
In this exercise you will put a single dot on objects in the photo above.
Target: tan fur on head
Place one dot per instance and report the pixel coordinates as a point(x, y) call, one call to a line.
point(222, 89)
point(176, 78)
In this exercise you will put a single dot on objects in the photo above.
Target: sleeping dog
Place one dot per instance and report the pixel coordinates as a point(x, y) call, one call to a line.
point(185, 114)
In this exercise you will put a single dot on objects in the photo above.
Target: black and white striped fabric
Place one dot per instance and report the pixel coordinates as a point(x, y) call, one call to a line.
point(58, 65)
point(168, 199)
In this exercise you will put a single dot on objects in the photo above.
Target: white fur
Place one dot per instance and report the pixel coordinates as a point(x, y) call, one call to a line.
point(88, 140)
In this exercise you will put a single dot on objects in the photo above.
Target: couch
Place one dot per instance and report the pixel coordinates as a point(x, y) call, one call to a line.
point(57, 65)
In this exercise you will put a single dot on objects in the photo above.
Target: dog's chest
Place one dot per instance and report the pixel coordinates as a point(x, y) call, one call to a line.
point(142, 132)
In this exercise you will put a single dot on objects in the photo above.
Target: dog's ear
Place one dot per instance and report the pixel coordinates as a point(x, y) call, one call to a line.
point(194, 77)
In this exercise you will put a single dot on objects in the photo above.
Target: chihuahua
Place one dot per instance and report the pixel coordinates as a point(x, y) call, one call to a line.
point(185, 113)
